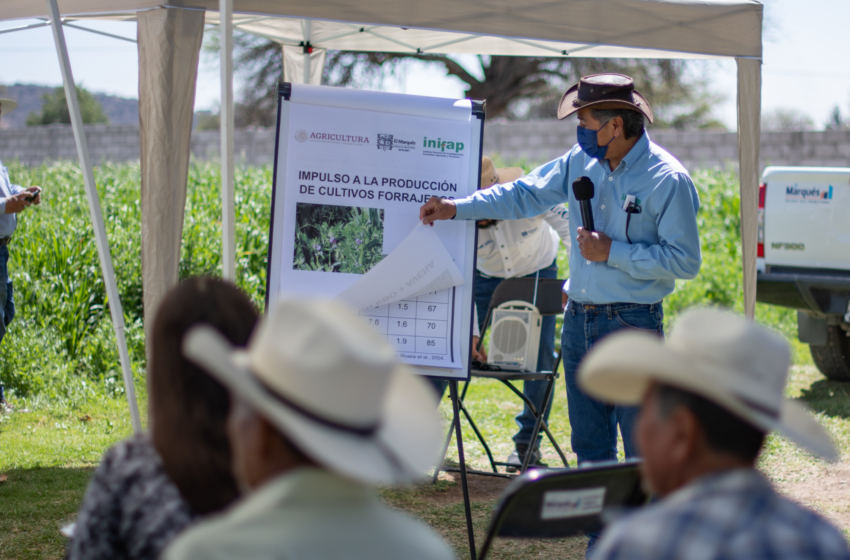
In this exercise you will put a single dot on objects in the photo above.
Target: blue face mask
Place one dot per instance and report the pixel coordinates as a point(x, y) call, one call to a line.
point(589, 142)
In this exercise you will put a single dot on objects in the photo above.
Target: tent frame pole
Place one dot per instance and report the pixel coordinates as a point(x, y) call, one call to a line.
point(308, 36)
point(228, 198)
point(114, 300)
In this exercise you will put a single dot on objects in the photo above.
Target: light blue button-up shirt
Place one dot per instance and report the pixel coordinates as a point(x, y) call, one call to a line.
point(8, 222)
point(664, 238)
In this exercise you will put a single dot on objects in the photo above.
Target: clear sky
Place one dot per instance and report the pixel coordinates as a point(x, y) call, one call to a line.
point(806, 53)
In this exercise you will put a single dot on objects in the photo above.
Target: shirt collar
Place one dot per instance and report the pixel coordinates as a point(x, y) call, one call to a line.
point(743, 480)
point(308, 484)
point(637, 151)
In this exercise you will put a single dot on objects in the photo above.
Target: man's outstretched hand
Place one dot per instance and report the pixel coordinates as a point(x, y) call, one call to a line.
point(437, 209)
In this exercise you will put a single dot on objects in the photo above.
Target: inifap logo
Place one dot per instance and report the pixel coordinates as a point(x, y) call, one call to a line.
point(813, 195)
point(442, 148)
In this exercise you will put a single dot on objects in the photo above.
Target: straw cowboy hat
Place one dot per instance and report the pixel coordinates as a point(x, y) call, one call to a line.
point(604, 91)
point(723, 357)
point(491, 176)
point(7, 105)
point(333, 386)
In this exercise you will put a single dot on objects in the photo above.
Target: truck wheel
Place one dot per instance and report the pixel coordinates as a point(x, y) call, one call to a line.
point(833, 359)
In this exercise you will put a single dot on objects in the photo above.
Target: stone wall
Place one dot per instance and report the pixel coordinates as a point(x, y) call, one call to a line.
point(532, 141)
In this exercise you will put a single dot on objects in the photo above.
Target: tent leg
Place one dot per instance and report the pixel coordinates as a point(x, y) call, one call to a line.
point(114, 299)
point(749, 142)
point(228, 198)
point(308, 36)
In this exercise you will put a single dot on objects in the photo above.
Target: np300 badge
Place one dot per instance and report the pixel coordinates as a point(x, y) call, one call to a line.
point(789, 246)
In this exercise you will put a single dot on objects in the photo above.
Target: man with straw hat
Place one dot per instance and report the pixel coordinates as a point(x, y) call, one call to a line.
point(708, 396)
point(321, 412)
point(13, 199)
point(644, 206)
point(515, 249)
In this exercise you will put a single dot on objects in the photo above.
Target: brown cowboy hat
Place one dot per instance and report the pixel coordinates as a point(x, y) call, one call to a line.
point(490, 175)
point(7, 105)
point(604, 91)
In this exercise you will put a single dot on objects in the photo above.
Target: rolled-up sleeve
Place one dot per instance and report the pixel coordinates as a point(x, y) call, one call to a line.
point(677, 254)
point(529, 196)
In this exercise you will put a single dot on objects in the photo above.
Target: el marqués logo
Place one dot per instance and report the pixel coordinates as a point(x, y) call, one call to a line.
point(796, 193)
point(442, 148)
point(330, 137)
point(387, 142)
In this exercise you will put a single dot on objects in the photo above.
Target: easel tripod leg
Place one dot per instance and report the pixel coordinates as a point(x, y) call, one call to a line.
point(462, 461)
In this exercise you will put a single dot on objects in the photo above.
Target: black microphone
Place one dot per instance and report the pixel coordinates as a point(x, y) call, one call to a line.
point(583, 191)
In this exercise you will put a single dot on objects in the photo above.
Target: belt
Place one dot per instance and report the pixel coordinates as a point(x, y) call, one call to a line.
point(5, 241)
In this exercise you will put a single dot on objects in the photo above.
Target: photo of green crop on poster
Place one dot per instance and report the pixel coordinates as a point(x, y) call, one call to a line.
point(337, 238)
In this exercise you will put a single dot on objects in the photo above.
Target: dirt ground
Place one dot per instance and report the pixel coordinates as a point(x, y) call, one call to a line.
point(824, 488)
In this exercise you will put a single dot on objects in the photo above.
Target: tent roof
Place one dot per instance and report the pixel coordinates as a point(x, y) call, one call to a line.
point(729, 28)
point(376, 38)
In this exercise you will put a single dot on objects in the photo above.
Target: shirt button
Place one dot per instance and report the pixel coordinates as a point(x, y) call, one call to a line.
point(582, 290)
point(503, 246)
point(506, 258)
point(610, 178)
point(603, 207)
point(588, 262)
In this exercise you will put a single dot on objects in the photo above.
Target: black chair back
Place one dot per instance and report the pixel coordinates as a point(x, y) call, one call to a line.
point(557, 504)
point(548, 293)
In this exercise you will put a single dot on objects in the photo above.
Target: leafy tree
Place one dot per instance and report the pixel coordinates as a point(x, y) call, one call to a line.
point(786, 119)
point(54, 109)
point(836, 121)
point(513, 86)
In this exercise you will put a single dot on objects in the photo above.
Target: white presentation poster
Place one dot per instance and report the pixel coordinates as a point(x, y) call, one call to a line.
point(351, 172)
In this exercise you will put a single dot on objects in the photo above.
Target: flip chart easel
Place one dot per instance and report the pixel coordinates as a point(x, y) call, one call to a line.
point(352, 169)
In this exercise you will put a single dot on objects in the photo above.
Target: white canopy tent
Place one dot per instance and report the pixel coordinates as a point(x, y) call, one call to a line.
point(169, 40)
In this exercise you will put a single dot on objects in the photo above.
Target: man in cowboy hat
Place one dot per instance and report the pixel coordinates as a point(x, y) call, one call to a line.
point(13, 199)
point(516, 249)
point(644, 205)
point(708, 395)
point(321, 411)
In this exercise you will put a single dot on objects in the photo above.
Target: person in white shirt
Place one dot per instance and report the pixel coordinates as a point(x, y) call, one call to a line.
point(516, 249)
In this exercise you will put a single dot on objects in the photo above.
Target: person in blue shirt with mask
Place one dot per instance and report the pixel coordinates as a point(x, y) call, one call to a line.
point(644, 208)
point(13, 199)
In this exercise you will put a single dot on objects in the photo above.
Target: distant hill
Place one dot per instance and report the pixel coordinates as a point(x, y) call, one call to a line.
point(119, 110)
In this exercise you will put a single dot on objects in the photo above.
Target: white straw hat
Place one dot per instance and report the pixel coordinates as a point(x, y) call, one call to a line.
point(723, 357)
point(490, 175)
point(7, 106)
point(333, 386)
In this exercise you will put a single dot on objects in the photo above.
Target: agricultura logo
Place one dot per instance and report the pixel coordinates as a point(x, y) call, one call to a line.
point(301, 135)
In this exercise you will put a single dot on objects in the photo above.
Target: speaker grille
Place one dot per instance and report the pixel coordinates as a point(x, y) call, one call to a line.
point(510, 335)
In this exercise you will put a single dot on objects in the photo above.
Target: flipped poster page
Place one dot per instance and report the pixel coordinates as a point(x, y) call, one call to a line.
point(354, 182)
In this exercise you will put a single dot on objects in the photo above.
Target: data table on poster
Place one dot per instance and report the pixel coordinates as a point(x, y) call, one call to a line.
point(419, 328)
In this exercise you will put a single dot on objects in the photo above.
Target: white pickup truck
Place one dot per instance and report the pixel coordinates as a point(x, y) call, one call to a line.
point(804, 257)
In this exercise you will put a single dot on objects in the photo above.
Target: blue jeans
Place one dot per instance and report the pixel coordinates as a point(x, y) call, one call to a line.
point(534, 391)
point(594, 424)
point(7, 298)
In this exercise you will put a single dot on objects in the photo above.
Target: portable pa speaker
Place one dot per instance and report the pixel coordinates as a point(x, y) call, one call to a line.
point(515, 336)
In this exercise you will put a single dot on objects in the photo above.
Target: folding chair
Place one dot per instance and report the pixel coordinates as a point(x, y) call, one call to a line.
point(558, 504)
point(548, 302)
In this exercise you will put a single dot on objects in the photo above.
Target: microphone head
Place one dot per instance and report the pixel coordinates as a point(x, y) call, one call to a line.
point(583, 188)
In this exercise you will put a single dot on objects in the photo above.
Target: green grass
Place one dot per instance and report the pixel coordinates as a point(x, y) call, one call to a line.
point(47, 457)
point(59, 359)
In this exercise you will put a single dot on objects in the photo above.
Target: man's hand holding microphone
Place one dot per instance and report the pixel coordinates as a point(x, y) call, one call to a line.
point(593, 245)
